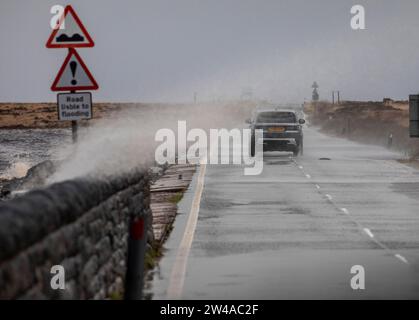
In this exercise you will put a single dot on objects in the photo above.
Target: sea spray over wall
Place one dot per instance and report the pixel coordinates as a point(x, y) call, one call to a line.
point(125, 140)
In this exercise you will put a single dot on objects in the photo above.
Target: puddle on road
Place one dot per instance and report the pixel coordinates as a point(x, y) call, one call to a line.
point(294, 211)
point(215, 205)
point(218, 203)
point(410, 189)
point(279, 162)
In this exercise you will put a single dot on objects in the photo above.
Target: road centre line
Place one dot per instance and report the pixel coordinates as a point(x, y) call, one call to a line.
point(366, 230)
point(400, 257)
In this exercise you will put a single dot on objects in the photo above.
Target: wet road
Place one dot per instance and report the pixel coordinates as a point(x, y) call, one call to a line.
point(295, 231)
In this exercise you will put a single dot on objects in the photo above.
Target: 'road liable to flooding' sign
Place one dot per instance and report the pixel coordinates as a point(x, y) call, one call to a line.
point(74, 106)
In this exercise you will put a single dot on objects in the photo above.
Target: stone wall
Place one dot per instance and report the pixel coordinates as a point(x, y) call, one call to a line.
point(82, 225)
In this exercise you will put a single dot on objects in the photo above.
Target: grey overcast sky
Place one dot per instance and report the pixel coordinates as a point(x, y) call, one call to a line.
point(165, 50)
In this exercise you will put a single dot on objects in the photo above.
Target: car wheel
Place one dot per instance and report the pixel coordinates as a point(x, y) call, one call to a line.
point(252, 146)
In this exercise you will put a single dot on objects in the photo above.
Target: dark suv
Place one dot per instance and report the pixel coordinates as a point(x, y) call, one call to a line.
point(282, 130)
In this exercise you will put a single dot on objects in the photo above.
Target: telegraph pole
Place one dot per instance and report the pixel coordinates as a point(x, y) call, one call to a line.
point(333, 96)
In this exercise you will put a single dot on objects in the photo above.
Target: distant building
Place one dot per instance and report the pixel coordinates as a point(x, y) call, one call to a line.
point(387, 101)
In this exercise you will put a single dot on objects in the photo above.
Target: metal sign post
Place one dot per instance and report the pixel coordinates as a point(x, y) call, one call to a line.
point(74, 128)
point(414, 116)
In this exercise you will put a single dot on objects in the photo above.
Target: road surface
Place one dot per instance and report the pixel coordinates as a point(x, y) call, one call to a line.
point(295, 231)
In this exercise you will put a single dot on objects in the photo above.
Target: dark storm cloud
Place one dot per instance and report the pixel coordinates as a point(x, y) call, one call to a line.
point(166, 50)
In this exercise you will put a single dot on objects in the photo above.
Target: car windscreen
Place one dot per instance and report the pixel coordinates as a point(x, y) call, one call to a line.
point(276, 117)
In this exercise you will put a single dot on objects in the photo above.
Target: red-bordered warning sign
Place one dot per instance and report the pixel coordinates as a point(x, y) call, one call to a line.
point(74, 75)
point(70, 32)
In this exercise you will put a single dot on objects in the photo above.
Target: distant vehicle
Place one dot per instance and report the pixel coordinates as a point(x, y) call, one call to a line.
point(282, 130)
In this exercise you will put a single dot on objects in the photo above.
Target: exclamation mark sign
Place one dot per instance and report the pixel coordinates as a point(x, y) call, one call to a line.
point(73, 68)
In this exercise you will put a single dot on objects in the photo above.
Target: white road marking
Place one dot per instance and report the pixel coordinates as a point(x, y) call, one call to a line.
point(400, 257)
point(368, 232)
point(344, 210)
point(177, 277)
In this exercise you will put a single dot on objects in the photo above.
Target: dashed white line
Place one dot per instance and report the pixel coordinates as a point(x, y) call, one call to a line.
point(368, 232)
point(401, 258)
point(344, 210)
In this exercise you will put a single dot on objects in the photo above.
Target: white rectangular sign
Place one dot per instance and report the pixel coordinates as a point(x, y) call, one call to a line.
point(74, 106)
point(414, 115)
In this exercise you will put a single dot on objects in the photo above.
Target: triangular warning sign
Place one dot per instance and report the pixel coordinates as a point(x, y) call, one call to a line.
point(70, 32)
point(74, 75)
